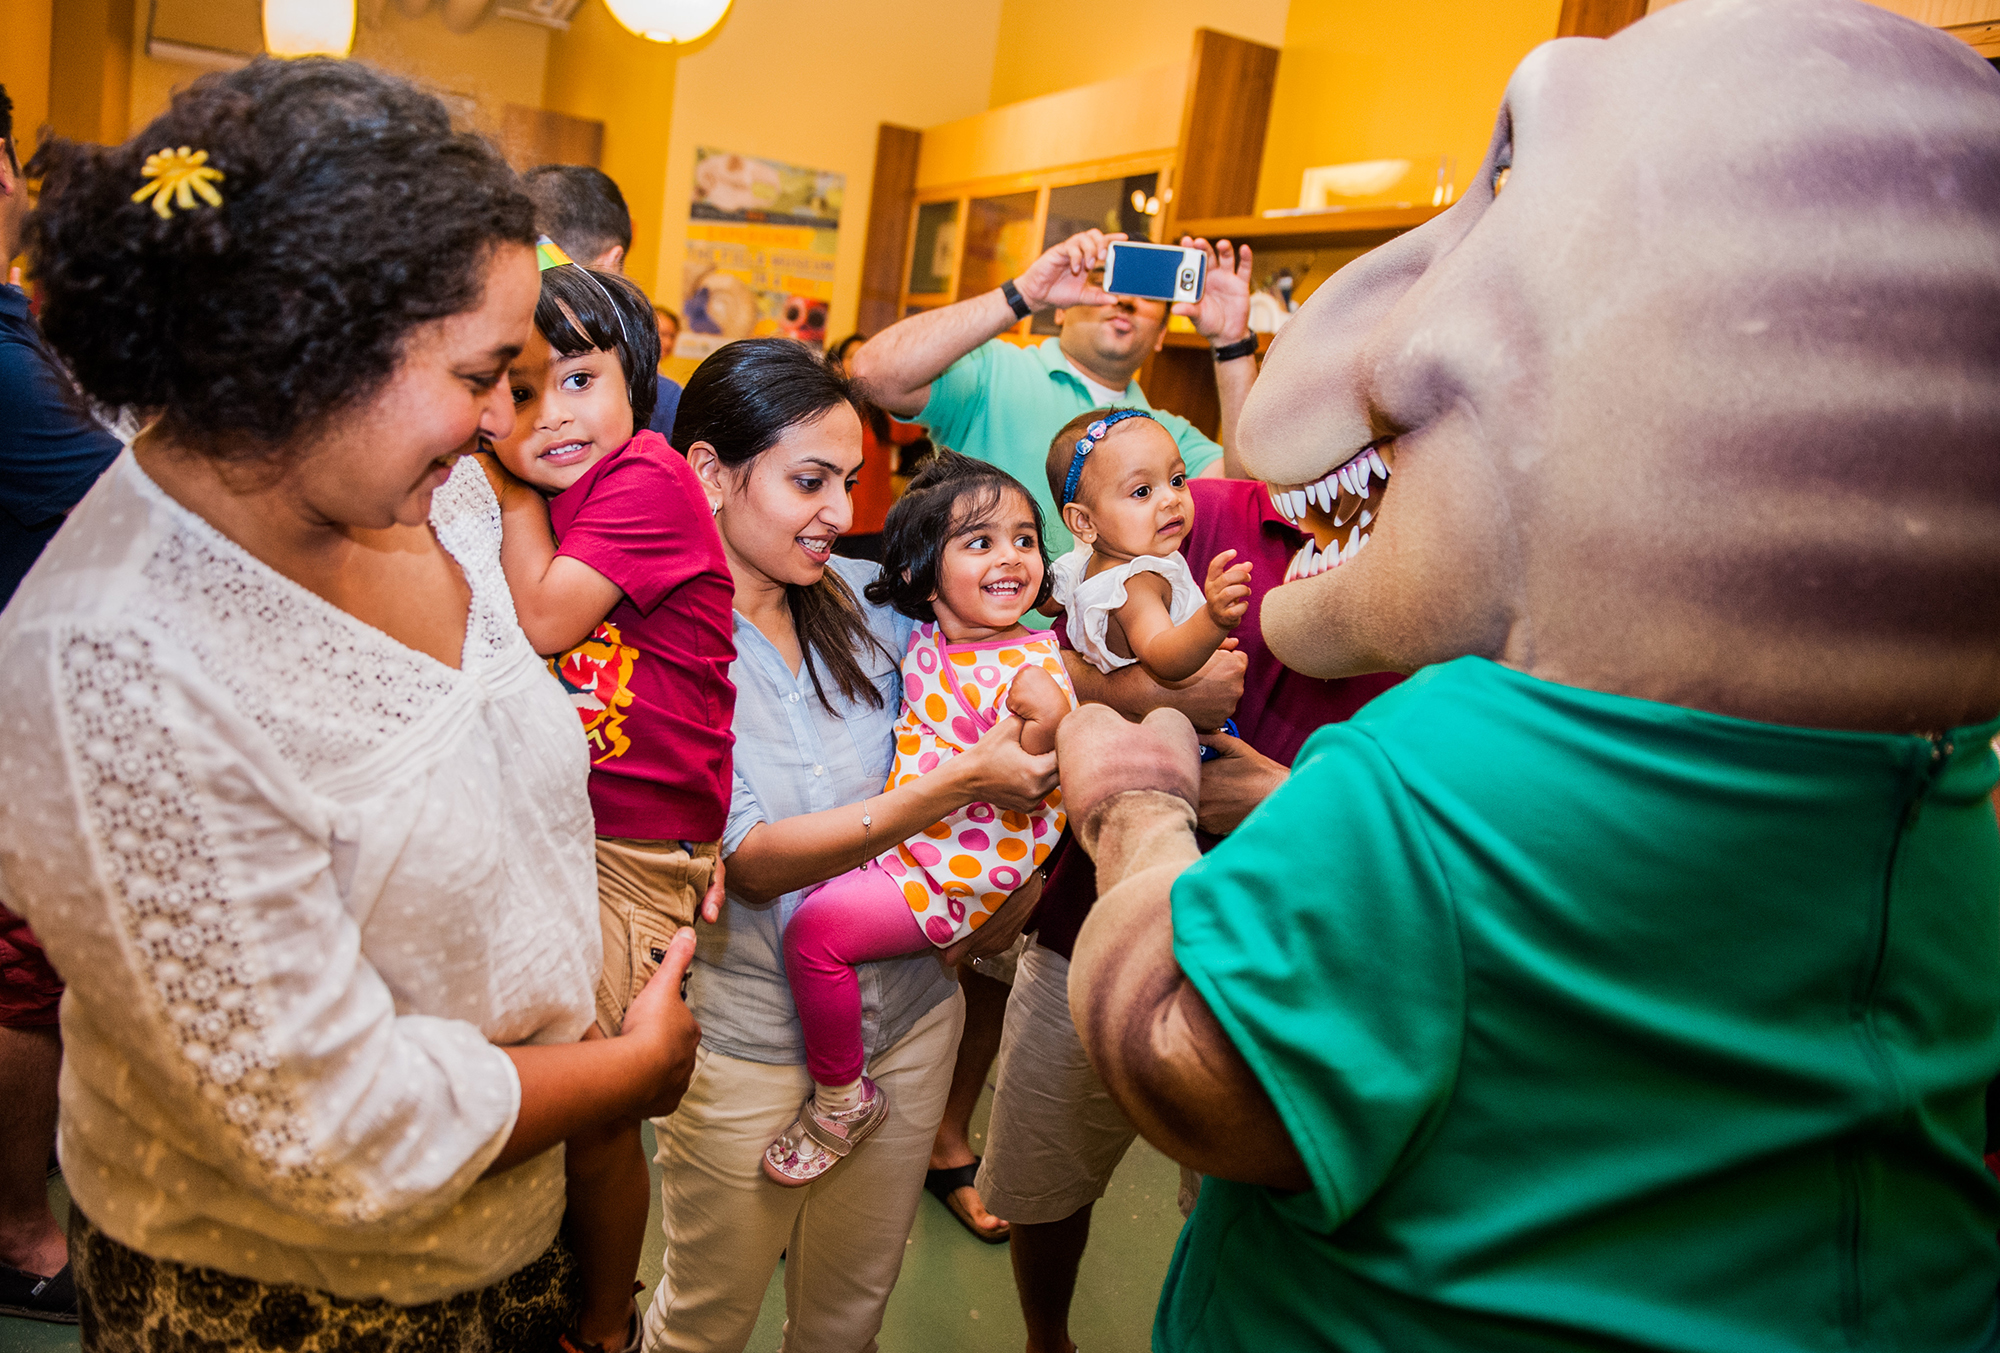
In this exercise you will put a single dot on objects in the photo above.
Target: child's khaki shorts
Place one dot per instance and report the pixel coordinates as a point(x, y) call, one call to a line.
point(646, 890)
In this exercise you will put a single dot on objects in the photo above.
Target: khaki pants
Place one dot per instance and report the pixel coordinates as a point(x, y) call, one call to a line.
point(646, 890)
point(1055, 1136)
point(842, 1236)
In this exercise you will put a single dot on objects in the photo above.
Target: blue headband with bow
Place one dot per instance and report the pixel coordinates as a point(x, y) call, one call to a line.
point(1087, 443)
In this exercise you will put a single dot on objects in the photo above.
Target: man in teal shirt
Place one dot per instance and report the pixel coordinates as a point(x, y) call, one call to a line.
point(1001, 403)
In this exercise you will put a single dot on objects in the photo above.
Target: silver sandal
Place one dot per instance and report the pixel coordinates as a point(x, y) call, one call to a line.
point(816, 1142)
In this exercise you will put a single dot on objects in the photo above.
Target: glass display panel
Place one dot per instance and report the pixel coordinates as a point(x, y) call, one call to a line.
point(999, 241)
point(936, 251)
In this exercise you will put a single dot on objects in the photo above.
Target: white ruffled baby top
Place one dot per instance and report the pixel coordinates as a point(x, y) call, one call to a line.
point(1088, 603)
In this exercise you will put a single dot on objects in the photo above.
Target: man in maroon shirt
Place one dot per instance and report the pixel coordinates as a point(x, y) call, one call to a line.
point(1055, 1135)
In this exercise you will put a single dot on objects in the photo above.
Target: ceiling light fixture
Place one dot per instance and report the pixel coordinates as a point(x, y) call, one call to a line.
point(668, 20)
point(308, 27)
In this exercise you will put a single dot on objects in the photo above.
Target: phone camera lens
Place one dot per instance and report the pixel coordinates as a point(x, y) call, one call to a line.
point(1187, 277)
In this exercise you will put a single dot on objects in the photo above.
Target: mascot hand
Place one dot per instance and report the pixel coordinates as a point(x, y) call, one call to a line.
point(1102, 756)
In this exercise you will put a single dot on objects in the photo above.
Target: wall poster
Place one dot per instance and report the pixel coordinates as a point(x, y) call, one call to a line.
point(760, 247)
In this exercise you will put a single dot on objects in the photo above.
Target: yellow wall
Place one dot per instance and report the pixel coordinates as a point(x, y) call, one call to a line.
point(500, 62)
point(90, 68)
point(24, 68)
point(809, 83)
point(1047, 45)
point(1374, 79)
point(597, 70)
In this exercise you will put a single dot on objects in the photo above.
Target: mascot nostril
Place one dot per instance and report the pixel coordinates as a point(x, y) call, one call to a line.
point(1625, 978)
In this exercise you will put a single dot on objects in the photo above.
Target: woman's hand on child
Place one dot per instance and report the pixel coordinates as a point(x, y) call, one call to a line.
point(1002, 928)
point(665, 1029)
point(995, 770)
point(1227, 590)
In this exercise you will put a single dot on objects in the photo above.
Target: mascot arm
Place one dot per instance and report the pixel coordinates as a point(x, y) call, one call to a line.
point(1153, 1040)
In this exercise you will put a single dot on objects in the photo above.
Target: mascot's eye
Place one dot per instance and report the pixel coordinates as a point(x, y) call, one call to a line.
point(1503, 166)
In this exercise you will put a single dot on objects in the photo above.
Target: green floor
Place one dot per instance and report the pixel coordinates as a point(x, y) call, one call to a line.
point(955, 1292)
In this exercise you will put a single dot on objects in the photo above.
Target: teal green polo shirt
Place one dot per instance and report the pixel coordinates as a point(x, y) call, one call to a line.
point(1003, 404)
point(1604, 1024)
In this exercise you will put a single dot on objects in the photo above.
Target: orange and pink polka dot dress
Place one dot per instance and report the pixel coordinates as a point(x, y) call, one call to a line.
point(956, 872)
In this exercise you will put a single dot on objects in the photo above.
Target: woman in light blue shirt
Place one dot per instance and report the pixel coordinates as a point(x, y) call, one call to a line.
point(775, 437)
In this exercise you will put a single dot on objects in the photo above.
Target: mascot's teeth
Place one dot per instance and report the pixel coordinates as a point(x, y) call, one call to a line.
point(1351, 480)
point(1312, 561)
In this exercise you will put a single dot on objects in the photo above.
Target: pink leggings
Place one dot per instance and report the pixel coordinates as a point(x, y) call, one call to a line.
point(858, 917)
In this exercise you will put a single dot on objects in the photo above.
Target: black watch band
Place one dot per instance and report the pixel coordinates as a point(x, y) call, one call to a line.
point(1014, 298)
point(1242, 347)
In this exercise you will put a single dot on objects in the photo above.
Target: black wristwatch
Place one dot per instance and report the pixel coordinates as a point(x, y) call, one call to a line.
point(1014, 298)
point(1242, 347)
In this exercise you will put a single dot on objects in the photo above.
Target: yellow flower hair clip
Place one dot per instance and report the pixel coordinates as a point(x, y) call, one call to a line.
point(179, 174)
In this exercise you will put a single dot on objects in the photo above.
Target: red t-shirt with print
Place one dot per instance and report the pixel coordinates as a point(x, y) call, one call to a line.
point(651, 684)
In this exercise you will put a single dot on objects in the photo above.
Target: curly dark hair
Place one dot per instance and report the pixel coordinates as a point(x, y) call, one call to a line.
point(947, 496)
point(352, 213)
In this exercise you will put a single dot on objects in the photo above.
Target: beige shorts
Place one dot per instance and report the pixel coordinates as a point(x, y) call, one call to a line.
point(1055, 1136)
point(646, 890)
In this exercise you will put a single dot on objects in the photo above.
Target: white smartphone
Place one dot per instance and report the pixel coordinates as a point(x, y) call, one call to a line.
point(1157, 272)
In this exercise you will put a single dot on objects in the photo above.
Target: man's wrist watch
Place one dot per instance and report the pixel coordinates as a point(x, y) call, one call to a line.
point(1242, 347)
point(1014, 298)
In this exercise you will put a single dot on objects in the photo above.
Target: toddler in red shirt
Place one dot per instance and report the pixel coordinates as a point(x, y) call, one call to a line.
point(617, 572)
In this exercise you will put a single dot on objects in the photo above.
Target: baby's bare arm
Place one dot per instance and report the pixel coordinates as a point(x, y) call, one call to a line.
point(1168, 651)
point(1040, 704)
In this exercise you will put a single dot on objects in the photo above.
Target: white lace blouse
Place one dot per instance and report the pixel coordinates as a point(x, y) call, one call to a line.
point(300, 880)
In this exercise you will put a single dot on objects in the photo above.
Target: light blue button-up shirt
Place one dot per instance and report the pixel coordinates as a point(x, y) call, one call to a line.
point(793, 757)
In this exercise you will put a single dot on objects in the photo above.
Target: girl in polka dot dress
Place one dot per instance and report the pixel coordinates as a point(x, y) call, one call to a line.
point(963, 555)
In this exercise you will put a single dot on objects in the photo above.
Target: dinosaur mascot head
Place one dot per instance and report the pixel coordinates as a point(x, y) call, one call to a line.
point(1694, 396)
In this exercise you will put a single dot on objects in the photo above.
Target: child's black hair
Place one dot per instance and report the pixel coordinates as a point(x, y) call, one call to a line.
point(950, 493)
point(583, 309)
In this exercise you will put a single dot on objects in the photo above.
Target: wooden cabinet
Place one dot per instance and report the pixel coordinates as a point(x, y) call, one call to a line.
point(1027, 175)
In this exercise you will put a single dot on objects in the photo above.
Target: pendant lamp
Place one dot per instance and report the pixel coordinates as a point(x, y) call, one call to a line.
point(308, 27)
point(667, 20)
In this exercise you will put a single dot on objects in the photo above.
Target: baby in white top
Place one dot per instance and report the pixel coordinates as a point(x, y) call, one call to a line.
point(1126, 592)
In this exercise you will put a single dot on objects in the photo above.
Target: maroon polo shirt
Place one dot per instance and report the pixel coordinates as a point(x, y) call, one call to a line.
point(1280, 708)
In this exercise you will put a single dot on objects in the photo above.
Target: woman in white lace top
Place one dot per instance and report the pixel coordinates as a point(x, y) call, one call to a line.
point(294, 807)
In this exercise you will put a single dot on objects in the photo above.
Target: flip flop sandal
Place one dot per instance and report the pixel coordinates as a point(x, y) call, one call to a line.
point(942, 1184)
point(814, 1144)
point(38, 1298)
